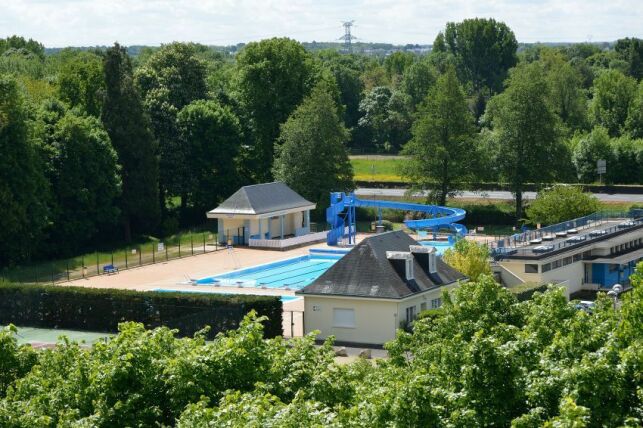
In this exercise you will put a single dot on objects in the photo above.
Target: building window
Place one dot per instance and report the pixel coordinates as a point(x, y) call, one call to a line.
point(344, 318)
point(567, 261)
point(422, 306)
point(587, 254)
point(436, 303)
point(531, 268)
point(577, 257)
point(546, 267)
point(410, 313)
point(556, 264)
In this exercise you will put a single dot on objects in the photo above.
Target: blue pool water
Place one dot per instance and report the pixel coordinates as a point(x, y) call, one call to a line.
point(284, 299)
point(294, 274)
point(440, 246)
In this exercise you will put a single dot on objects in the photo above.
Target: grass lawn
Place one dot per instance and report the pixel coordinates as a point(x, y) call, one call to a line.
point(377, 168)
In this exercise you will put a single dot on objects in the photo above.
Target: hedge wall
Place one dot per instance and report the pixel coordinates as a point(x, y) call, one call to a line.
point(93, 309)
point(526, 290)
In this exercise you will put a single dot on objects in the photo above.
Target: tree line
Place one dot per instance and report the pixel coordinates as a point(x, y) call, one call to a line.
point(98, 143)
point(483, 359)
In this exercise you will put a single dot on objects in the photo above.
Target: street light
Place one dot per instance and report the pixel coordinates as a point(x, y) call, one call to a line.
point(615, 292)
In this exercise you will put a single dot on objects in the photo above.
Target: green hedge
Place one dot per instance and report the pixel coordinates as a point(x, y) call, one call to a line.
point(525, 290)
point(93, 309)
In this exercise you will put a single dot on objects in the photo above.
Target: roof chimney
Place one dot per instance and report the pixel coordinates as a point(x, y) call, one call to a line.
point(402, 263)
point(425, 257)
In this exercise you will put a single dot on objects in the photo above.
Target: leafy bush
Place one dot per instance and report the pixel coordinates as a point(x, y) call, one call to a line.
point(561, 203)
point(526, 290)
point(102, 309)
point(469, 257)
point(485, 360)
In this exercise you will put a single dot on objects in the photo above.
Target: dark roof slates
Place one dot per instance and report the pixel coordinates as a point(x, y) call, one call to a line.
point(261, 199)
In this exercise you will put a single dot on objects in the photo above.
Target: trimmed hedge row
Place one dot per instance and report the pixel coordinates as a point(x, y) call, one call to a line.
point(526, 290)
point(93, 309)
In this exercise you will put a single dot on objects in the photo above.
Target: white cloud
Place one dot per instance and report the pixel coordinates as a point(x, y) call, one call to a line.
point(92, 22)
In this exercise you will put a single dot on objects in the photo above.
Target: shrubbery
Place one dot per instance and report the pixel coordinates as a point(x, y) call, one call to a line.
point(97, 309)
point(486, 360)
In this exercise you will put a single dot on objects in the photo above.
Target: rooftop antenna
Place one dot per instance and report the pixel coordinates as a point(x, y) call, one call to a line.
point(348, 37)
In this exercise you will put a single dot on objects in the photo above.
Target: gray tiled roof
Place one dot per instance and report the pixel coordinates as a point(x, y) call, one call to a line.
point(366, 272)
point(261, 199)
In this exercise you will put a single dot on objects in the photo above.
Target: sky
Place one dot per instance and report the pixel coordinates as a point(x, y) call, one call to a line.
point(60, 23)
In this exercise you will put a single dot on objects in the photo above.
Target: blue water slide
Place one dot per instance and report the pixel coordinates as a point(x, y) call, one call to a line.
point(341, 215)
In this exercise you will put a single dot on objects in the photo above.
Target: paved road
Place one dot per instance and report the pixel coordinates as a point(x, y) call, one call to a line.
point(497, 194)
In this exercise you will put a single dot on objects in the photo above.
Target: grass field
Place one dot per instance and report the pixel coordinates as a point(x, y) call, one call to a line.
point(377, 168)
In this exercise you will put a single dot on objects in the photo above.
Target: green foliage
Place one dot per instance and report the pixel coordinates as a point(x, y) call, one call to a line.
point(484, 360)
point(274, 76)
point(631, 51)
point(561, 203)
point(634, 122)
point(417, 80)
point(613, 95)
point(386, 119)
point(85, 181)
point(129, 131)
point(588, 150)
point(15, 361)
point(17, 43)
point(81, 82)
point(484, 49)
point(526, 290)
point(566, 94)
point(311, 156)
point(469, 257)
point(442, 150)
point(528, 147)
point(210, 134)
point(24, 192)
point(103, 309)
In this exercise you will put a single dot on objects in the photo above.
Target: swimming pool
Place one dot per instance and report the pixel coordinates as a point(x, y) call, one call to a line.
point(283, 298)
point(440, 246)
point(293, 274)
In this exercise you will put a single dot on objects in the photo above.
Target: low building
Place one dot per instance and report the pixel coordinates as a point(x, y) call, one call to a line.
point(589, 253)
point(375, 289)
point(269, 215)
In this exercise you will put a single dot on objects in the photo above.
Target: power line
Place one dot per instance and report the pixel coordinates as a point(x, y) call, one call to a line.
point(348, 37)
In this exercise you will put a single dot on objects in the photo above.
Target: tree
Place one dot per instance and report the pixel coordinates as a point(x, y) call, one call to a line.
point(85, 183)
point(442, 151)
point(396, 65)
point(211, 134)
point(417, 80)
point(129, 131)
point(171, 78)
point(484, 50)
point(589, 149)
point(470, 258)
point(24, 191)
point(613, 95)
point(634, 122)
point(561, 203)
point(631, 51)
point(274, 76)
point(311, 156)
point(18, 42)
point(628, 161)
point(567, 96)
point(526, 127)
point(386, 118)
point(81, 82)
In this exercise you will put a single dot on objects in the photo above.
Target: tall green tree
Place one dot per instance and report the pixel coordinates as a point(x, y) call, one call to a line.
point(129, 131)
point(526, 127)
point(631, 51)
point(311, 156)
point(485, 50)
point(613, 95)
point(81, 82)
point(567, 96)
point(170, 79)
point(442, 150)
point(274, 76)
point(85, 183)
point(417, 80)
point(588, 150)
point(212, 136)
point(386, 119)
point(24, 192)
point(634, 121)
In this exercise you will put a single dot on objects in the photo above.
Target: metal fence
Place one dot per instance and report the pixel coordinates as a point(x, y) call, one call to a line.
point(108, 262)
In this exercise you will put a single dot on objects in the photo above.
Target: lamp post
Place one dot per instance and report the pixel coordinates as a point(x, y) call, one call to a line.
point(615, 292)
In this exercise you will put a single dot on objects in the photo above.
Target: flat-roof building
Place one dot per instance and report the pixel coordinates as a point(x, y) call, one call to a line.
point(593, 252)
